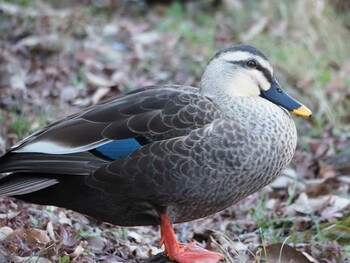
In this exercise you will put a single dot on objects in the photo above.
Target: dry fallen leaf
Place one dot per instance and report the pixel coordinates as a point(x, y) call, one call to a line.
point(135, 236)
point(30, 235)
point(99, 94)
point(9, 215)
point(97, 80)
point(95, 244)
point(339, 202)
point(31, 259)
point(4, 232)
point(30, 238)
point(302, 205)
point(62, 218)
point(316, 187)
point(77, 251)
point(284, 253)
point(50, 231)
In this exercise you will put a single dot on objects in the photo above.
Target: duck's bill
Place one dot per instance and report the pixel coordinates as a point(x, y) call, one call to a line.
point(278, 96)
point(302, 111)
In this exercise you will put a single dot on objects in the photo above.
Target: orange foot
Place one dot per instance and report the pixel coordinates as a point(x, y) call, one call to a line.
point(183, 253)
point(192, 253)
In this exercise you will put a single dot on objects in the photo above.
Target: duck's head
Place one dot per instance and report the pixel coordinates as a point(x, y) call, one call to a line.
point(243, 70)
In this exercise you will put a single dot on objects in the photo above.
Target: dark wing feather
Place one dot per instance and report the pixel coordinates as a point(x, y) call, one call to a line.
point(154, 112)
point(24, 185)
point(74, 164)
point(161, 172)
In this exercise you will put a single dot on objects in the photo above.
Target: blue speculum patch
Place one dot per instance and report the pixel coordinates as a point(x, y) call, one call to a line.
point(119, 148)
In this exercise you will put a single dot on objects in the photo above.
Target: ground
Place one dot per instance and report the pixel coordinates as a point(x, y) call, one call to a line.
point(57, 58)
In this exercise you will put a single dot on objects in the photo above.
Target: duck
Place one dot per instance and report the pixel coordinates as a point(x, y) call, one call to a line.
point(164, 154)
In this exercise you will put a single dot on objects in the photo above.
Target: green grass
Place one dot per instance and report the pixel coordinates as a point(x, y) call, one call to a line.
point(176, 10)
point(197, 29)
point(19, 2)
point(96, 232)
point(273, 229)
point(77, 79)
point(20, 126)
point(64, 259)
point(36, 222)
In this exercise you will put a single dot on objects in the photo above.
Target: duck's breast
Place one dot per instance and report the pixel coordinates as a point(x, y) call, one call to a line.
point(236, 156)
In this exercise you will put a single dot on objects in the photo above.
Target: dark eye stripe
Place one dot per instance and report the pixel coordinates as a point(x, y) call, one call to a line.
point(263, 70)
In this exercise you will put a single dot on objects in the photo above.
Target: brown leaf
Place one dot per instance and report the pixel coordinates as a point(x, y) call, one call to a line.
point(301, 223)
point(29, 237)
point(316, 187)
point(327, 172)
point(284, 253)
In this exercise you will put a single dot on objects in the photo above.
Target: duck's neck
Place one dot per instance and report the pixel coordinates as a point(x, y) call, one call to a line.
point(251, 110)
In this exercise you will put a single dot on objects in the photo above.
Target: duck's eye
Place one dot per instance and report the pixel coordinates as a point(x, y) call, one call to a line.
point(251, 63)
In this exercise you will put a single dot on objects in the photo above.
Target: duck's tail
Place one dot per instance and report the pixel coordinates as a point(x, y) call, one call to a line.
point(73, 164)
point(20, 184)
point(32, 172)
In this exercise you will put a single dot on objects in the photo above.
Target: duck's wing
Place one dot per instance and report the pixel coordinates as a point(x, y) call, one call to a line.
point(152, 113)
point(113, 130)
point(178, 170)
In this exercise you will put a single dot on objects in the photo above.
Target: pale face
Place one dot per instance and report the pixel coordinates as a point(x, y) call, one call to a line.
point(261, 74)
point(238, 73)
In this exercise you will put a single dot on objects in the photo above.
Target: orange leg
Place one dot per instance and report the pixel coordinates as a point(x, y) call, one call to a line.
point(183, 253)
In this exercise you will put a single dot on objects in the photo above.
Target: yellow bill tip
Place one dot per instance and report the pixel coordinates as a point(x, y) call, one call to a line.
point(302, 111)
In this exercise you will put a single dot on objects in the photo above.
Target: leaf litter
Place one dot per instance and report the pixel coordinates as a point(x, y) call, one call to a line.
point(57, 60)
